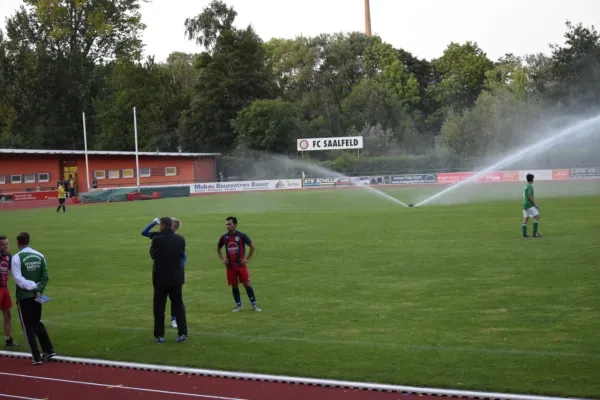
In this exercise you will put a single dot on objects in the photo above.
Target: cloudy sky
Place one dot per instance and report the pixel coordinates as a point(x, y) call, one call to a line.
point(423, 27)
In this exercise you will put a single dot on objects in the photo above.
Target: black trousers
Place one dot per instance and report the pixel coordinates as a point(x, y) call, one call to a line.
point(175, 294)
point(30, 313)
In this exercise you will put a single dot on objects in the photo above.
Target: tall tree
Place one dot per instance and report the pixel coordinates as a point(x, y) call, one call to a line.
point(231, 75)
point(65, 43)
point(575, 67)
point(462, 69)
point(158, 100)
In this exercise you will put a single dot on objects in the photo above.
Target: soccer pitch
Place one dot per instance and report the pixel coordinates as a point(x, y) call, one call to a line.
point(352, 286)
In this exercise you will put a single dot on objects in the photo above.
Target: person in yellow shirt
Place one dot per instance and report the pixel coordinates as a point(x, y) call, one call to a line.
point(62, 197)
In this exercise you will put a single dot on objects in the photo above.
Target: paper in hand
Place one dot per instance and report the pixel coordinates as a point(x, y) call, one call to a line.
point(43, 299)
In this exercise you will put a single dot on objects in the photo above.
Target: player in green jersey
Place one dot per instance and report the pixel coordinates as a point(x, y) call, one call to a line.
point(530, 208)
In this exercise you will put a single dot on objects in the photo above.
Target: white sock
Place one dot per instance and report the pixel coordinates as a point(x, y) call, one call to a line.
point(7, 338)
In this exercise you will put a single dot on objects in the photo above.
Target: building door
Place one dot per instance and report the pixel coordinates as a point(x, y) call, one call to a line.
point(70, 172)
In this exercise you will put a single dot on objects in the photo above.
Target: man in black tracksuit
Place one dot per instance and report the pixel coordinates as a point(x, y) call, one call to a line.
point(167, 250)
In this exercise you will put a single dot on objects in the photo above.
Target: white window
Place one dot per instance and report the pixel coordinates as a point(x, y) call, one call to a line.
point(30, 178)
point(100, 174)
point(144, 172)
point(43, 177)
point(2, 179)
point(15, 179)
point(114, 174)
point(170, 171)
point(128, 173)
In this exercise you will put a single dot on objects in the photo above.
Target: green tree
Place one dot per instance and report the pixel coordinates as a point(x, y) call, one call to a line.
point(58, 48)
point(269, 125)
point(575, 67)
point(231, 75)
point(158, 101)
point(462, 69)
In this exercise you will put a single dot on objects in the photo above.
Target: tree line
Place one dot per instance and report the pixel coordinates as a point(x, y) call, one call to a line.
point(59, 58)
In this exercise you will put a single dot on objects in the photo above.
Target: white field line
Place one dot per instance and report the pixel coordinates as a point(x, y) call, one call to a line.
point(294, 380)
point(122, 387)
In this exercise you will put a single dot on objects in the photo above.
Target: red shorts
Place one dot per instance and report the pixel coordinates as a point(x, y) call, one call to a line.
point(237, 274)
point(5, 301)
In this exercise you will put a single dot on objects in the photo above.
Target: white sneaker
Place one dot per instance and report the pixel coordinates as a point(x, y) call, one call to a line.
point(256, 308)
point(237, 308)
point(173, 324)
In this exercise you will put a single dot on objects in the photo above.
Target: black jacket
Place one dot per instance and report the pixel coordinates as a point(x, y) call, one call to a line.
point(167, 252)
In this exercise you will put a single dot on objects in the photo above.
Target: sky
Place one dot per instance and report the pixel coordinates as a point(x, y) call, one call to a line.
point(422, 27)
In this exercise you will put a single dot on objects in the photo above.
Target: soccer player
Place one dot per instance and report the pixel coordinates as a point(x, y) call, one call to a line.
point(62, 194)
point(5, 301)
point(147, 233)
point(530, 208)
point(236, 261)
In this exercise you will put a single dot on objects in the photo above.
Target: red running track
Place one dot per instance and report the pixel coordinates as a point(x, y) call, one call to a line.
point(19, 379)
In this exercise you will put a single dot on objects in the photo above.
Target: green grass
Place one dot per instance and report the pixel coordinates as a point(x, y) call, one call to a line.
point(352, 287)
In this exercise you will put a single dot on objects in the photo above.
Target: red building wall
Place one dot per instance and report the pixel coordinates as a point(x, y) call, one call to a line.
point(110, 171)
point(28, 166)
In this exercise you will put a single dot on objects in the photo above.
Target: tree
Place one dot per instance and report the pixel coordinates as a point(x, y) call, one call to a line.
point(230, 77)
point(269, 125)
point(462, 69)
point(575, 67)
point(58, 49)
point(7, 111)
point(158, 101)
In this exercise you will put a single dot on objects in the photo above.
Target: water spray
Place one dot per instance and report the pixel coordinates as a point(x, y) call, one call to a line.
point(529, 150)
point(321, 170)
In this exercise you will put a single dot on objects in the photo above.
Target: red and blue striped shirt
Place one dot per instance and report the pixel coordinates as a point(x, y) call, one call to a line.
point(235, 246)
point(4, 270)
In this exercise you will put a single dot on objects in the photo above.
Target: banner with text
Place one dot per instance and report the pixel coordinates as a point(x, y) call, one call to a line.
point(331, 143)
point(539, 174)
point(584, 173)
point(327, 182)
point(561, 174)
point(412, 179)
point(246, 186)
point(28, 196)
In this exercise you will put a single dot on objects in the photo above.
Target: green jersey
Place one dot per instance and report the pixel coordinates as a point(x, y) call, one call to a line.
point(528, 191)
point(30, 272)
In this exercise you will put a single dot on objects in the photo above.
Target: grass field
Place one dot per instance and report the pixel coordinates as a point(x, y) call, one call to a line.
point(352, 286)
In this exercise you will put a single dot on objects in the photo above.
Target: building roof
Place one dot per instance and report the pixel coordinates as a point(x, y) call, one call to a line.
point(105, 153)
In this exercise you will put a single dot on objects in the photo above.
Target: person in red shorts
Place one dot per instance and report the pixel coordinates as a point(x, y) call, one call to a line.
point(5, 301)
point(236, 261)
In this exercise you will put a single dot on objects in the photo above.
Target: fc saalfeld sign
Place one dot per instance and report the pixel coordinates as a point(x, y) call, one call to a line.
point(332, 143)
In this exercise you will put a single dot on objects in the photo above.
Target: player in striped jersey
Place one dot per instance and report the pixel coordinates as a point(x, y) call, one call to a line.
point(5, 301)
point(236, 261)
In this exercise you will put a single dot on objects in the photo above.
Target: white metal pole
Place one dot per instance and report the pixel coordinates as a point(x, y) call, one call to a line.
point(87, 165)
point(137, 161)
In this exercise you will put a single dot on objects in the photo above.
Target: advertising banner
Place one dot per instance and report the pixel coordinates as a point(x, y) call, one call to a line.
point(499, 176)
point(453, 177)
point(539, 174)
point(412, 179)
point(585, 173)
point(246, 186)
point(331, 143)
point(561, 174)
point(28, 196)
point(326, 182)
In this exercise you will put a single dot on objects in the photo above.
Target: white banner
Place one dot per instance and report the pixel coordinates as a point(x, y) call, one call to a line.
point(246, 186)
point(539, 175)
point(332, 143)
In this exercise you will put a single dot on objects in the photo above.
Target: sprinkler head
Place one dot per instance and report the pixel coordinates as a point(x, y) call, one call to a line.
point(410, 205)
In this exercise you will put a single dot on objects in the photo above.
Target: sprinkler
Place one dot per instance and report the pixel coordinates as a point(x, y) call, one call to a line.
point(410, 205)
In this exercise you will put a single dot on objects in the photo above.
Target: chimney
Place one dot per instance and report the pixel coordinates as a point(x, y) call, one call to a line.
point(367, 18)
